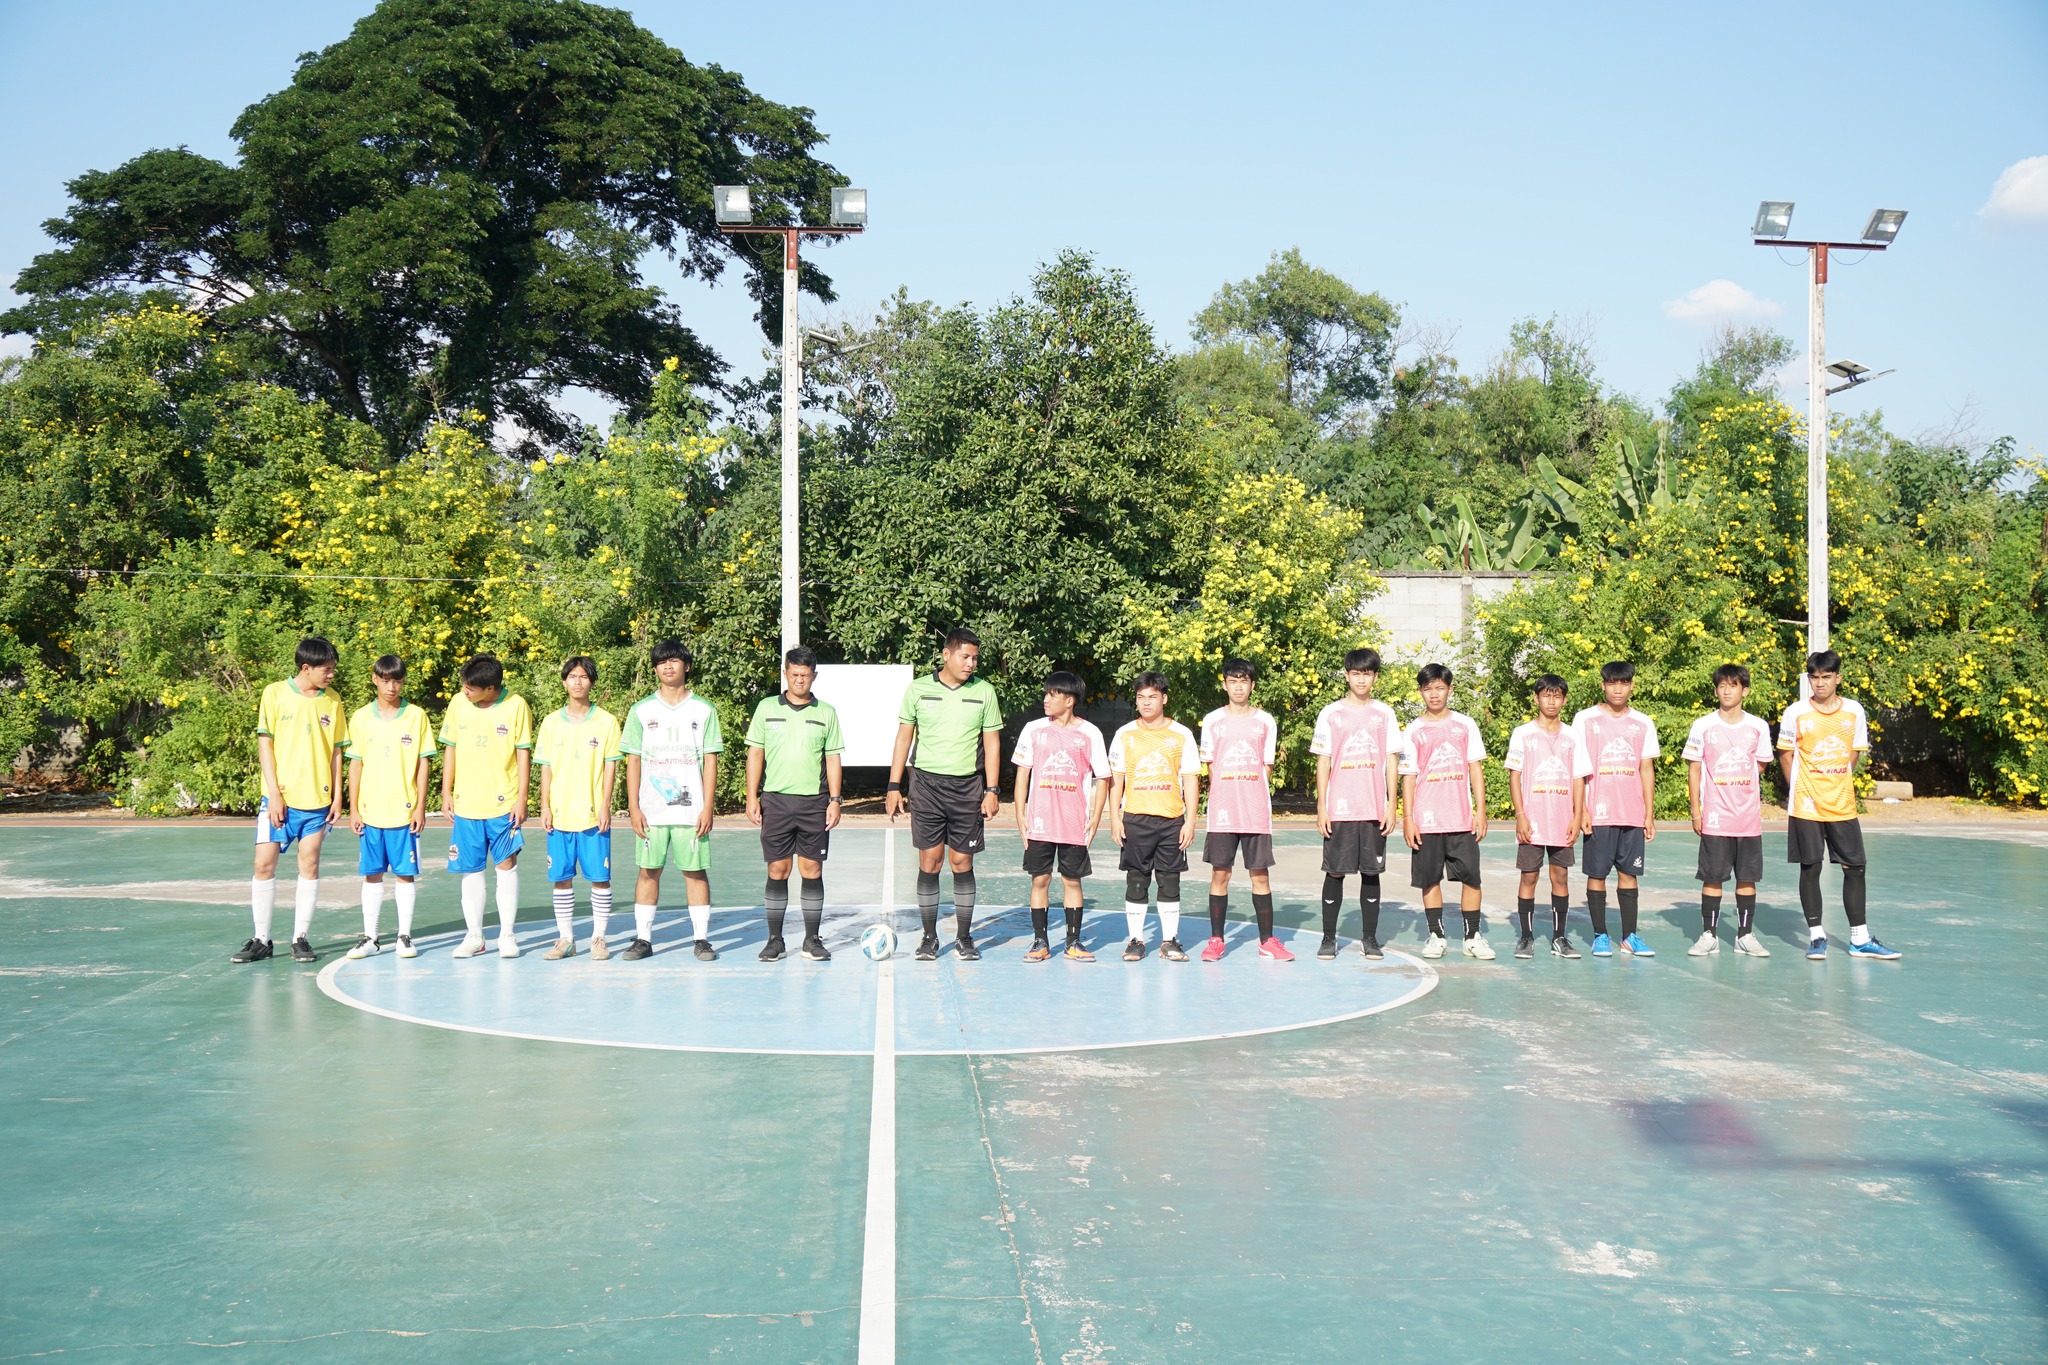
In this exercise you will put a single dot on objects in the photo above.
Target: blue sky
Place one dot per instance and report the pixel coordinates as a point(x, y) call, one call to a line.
point(1475, 163)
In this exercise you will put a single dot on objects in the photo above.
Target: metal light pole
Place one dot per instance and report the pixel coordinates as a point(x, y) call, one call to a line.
point(734, 208)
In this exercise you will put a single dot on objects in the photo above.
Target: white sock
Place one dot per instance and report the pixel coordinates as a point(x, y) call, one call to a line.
point(1859, 933)
point(1815, 933)
point(508, 900)
point(600, 911)
point(473, 903)
point(700, 921)
point(404, 893)
point(1169, 920)
point(565, 912)
point(262, 901)
point(304, 896)
point(373, 907)
point(1134, 920)
point(643, 922)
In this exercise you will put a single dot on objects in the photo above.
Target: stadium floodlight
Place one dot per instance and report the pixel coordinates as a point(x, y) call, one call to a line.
point(849, 207)
point(1847, 369)
point(1883, 226)
point(732, 204)
point(1773, 218)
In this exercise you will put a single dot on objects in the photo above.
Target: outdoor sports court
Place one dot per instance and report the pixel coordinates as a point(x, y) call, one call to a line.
point(1677, 1159)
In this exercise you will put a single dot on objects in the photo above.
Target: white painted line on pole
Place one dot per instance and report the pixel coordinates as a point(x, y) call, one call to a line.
point(878, 1257)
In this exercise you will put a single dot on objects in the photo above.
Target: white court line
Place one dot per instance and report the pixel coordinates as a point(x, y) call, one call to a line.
point(878, 1256)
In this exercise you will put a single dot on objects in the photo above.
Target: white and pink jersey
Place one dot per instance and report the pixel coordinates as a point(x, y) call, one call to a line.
point(1731, 803)
point(1065, 760)
point(1435, 753)
point(1547, 761)
point(1239, 751)
point(1612, 751)
point(1363, 742)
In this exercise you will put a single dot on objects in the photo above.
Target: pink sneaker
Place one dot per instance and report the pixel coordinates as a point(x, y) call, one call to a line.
point(1213, 950)
point(1275, 949)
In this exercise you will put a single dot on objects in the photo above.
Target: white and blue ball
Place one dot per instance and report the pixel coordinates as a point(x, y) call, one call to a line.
point(878, 943)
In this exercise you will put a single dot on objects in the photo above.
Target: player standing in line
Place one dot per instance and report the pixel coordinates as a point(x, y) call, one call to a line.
point(1617, 801)
point(1820, 741)
point(486, 763)
point(1155, 781)
point(793, 774)
point(1443, 776)
point(390, 757)
point(955, 721)
point(1725, 752)
point(1240, 743)
point(300, 731)
point(1062, 780)
point(671, 742)
point(578, 755)
point(1542, 758)
point(1357, 744)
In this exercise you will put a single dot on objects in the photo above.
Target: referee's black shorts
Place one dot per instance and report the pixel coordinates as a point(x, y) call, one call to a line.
point(945, 809)
point(794, 826)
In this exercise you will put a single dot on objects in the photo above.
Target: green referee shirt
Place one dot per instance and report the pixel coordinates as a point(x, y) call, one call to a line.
point(793, 741)
point(950, 722)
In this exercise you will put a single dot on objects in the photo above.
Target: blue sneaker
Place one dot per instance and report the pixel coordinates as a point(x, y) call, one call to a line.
point(1602, 946)
point(1817, 949)
point(1874, 949)
point(1634, 945)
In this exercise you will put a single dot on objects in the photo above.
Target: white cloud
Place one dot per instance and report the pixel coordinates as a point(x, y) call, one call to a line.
point(1720, 300)
point(2021, 195)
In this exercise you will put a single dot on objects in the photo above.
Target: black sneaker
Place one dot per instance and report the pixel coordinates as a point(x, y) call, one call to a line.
point(638, 949)
point(1327, 949)
point(1525, 946)
point(705, 952)
point(1560, 946)
point(302, 951)
point(814, 950)
point(1134, 951)
point(1172, 951)
point(1371, 948)
point(928, 948)
point(964, 949)
point(772, 950)
point(255, 950)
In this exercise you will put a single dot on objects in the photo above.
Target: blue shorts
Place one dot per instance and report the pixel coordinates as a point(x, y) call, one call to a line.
point(477, 844)
point(388, 850)
point(584, 852)
point(298, 824)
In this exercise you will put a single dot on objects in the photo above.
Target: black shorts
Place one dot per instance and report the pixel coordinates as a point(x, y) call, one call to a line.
point(946, 810)
point(1221, 850)
point(1152, 844)
point(1453, 857)
point(1530, 857)
point(794, 826)
point(1841, 840)
point(1721, 854)
point(1355, 848)
point(1073, 860)
point(1614, 848)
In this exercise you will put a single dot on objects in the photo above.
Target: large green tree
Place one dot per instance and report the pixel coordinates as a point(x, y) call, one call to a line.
point(1334, 343)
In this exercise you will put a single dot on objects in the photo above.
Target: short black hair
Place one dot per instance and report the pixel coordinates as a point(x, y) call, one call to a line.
point(664, 650)
point(1619, 670)
point(1823, 661)
point(1362, 661)
point(1430, 673)
point(1150, 680)
point(483, 671)
point(388, 666)
point(1240, 668)
point(1550, 682)
point(1067, 685)
point(1731, 673)
point(582, 661)
point(314, 652)
point(802, 656)
point(961, 635)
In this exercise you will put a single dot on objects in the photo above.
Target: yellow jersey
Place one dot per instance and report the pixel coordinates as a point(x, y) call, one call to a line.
point(304, 733)
point(483, 743)
point(1152, 763)
point(1824, 746)
point(575, 753)
point(390, 750)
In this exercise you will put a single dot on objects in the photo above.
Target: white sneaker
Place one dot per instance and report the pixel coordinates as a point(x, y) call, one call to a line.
point(366, 946)
point(1706, 945)
point(507, 945)
point(470, 946)
point(1749, 945)
point(1435, 947)
point(1478, 947)
point(563, 947)
point(405, 948)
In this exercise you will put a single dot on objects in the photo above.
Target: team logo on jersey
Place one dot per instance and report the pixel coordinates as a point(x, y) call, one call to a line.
point(1618, 751)
point(1219, 818)
point(1600, 811)
point(404, 739)
point(1239, 755)
point(1833, 749)
point(326, 721)
point(1058, 765)
point(1429, 819)
point(652, 724)
point(1444, 758)
point(1551, 769)
point(1713, 819)
point(503, 731)
point(593, 741)
point(1360, 744)
point(1342, 806)
point(1154, 766)
point(1734, 765)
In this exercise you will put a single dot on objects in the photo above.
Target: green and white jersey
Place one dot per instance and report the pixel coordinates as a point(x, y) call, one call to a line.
point(671, 742)
point(950, 722)
point(793, 741)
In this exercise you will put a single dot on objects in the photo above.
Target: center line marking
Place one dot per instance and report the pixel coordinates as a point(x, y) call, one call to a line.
point(878, 1256)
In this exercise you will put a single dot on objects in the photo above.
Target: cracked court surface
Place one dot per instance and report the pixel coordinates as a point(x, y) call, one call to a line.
point(1670, 1159)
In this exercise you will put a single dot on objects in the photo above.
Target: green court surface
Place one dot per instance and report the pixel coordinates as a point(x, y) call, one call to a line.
point(1677, 1159)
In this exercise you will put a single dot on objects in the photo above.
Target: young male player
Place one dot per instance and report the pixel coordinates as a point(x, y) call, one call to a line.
point(486, 763)
point(300, 731)
point(1062, 780)
point(793, 774)
point(671, 742)
point(1617, 795)
point(1240, 743)
point(1542, 758)
point(1820, 741)
point(1154, 782)
point(954, 720)
point(1725, 752)
point(1357, 743)
point(578, 757)
point(390, 755)
point(1443, 816)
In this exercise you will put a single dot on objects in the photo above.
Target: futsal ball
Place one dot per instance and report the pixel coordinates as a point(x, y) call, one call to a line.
point(878, 942)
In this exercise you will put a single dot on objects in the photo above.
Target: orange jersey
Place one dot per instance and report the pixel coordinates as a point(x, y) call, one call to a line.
point(1824, 746)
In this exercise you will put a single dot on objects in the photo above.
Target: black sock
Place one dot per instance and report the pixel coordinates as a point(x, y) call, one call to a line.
point(812, 889)
point(963, 904)
point(1710, 913)
point(1560, 911)
point(1073, 924)
point(1471, 923)
point(1219, 906)
point(1040, 914)
point(1333, 904)
point(1525, 915)
point(928, 901)
point(1809, 893)
point(1262, 911)
point(1745, 912)
point(1369, 907)
point(1852, 896)
point(1596, 909)
point(1435, 915)
point(776, 899)
point(1627, 896)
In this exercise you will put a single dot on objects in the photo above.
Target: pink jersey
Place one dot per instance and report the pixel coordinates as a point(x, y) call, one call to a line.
point(1546, 762)
point(1063, 760)
point(1612, 752)
point(1239, 751)
point(1435, 753)
point(1363, 742)
point(1731, 803)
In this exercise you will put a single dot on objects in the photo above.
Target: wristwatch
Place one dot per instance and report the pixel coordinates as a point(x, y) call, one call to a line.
point(989, 791)
point(831, 800)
